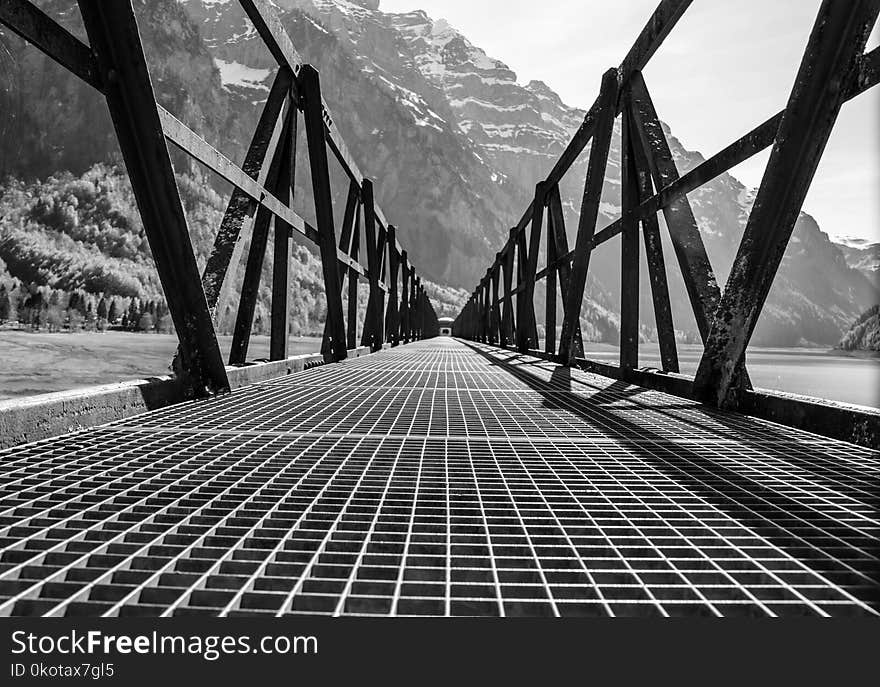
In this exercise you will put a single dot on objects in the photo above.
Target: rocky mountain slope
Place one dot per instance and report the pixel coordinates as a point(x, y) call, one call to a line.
point(453, 140)
point(863, 256)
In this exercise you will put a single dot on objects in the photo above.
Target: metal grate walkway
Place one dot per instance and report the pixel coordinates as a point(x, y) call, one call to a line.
point(440, 479)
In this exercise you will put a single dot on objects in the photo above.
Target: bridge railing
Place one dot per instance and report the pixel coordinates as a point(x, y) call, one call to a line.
point(501, 310)
point(114, 63)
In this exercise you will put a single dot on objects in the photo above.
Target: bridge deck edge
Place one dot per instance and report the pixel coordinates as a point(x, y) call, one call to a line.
point(33, 418)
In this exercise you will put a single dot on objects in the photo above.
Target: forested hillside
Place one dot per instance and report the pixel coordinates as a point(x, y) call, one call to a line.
point(864, 335)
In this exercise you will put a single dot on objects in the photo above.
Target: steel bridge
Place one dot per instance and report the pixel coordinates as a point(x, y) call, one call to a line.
point(402, 473)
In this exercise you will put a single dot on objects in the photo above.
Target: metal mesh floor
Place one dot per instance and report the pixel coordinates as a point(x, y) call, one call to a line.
point(440, 479)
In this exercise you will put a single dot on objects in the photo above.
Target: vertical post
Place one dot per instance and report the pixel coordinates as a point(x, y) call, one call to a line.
point(250, 287)
point(417, 308)
point(423, 299)
point(507, 324)
point(829, 63)
point(414, 305)
point(404, 293)
point(278, 343)
point(348, 222)
point(383, 253)
point(313, 114)
point(496, 305)
point(113, 34)
point(487, 307)
point(228, 243)
point(353, 278)
point(696, 270)
point(629, 253)
point(346, 243)
point(654, 256)
point(589, 213)
point(524, 321)
point(373, 324)
point(556, 227)
point(392, 318)
point(550, 304)
point(527, 337)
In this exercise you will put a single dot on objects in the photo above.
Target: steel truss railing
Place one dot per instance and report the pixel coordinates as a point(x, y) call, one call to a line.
point(114, 63)
point(501, 310)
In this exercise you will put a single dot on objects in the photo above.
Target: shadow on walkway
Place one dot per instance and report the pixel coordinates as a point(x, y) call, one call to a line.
point(842, 554)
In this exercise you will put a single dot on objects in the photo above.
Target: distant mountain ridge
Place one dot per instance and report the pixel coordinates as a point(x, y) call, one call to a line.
point(863, 256)
point(454, 143)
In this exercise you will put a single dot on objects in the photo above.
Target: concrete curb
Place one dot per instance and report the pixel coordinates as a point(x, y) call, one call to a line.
point(34, 418)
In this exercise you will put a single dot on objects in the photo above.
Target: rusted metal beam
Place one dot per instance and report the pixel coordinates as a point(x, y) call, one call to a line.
point(280, 326)
point(392, 315)
point(550, 291)
point(487, 307)
point(831, 60)
point(527, 334)
point(190, 142)
point(557, 228)
point(353, 282)
point(417, 310)
point(496, 305)
point(629, 252)
point(758, 139)
point(524, 322)
point(351, 207)
point(349, 218)
point(43, 32)
point(264, 16)
point(589, 213)
point(310, 90)
point(507, 323)
point(228, 241)
point(405, 273)
point(413, 305)
point(250, 288)
point(654, 255)
point(116, 44)
point(373, 323)
point(696, 270)
point(687, 242)
point(658, 27)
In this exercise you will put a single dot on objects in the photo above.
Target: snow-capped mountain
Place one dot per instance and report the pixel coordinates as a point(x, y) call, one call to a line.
point(456, 144)
point(863, 256)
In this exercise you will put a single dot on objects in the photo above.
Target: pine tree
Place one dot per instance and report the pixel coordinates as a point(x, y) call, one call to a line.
point(5, 305)
point(102, 309)
point(134, 314)
point(113, 313)
point(145, 324)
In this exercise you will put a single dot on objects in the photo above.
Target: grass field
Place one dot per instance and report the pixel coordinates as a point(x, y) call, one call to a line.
point(38, 362)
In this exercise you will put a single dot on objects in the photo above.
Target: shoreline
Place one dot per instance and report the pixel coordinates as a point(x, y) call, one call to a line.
point(859, 354)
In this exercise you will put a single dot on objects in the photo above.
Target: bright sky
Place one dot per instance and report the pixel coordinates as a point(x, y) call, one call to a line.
point(724, 69)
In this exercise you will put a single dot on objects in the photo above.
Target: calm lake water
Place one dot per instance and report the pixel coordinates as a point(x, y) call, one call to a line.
point(807, 371)
point(34, 363)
